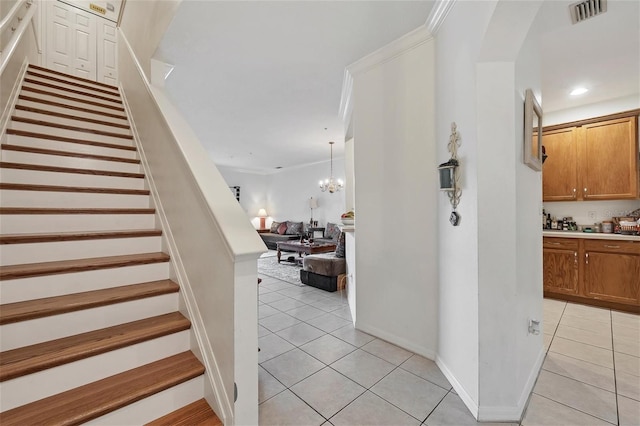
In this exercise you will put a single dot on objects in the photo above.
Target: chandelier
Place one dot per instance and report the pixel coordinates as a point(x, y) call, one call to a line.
point(330, 184)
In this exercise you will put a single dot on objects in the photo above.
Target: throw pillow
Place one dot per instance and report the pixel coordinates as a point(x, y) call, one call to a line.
point(294, 228)
point(340, 248)
point(274, 227)
point(332, 231)
point(282, 228)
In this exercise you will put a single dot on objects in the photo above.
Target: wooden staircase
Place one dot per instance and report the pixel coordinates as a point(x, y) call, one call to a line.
point(90, 329)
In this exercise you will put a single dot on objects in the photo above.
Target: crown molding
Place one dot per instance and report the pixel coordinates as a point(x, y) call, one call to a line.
point(438, 15)
point(386, 53)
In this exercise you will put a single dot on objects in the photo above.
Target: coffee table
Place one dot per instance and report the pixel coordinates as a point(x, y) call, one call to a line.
point(306, 248)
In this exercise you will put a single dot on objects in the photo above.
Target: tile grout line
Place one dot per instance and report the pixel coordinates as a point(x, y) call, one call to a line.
point(613, 359)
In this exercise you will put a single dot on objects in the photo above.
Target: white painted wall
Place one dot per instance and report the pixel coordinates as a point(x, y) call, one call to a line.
point(484, 347)
point(396, 197)
point(457, 49)
point(285, 194)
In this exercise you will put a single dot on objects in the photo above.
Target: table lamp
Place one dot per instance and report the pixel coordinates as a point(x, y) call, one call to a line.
point(262, 214)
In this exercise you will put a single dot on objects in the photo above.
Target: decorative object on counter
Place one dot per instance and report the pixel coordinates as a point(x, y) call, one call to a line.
point(330, 184)
point(532, 131)
point(450, 175)
point(348, 218)
point(313, 204)
point(607, 226)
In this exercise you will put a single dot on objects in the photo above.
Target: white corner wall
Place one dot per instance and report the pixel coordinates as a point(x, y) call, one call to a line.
point(484, 348)
point(395, 199)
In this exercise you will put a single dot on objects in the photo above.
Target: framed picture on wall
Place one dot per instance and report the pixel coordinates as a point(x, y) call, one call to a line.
point(532, 131)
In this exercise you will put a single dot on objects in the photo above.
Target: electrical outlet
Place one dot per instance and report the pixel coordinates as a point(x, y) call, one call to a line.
point(593, 215)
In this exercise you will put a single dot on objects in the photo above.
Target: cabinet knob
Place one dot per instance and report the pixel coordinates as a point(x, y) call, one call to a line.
point(575, 258)
point(586, 257)
point(585, 190)
point(574, 193)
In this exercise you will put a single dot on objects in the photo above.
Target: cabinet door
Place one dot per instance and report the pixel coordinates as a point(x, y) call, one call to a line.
point(560, 273)
point(107, 52)
point(560, 171)
point(609, 163)
point(612, 276)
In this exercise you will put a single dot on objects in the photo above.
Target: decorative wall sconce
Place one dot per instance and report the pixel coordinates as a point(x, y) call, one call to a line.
point(450, 175)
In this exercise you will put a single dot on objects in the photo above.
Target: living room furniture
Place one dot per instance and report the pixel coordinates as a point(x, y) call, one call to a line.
point(281, 231)
point(323, 271)
point(304, 247)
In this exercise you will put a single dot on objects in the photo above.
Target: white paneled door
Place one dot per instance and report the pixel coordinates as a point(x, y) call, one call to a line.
point(71, 40)
point(107, 52)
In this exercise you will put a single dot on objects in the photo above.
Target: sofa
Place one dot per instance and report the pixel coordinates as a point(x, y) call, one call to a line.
point(331, 234)
point(282, 231)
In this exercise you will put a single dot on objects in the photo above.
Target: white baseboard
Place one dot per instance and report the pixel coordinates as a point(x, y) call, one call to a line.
point(392, 338)
point(468, 400)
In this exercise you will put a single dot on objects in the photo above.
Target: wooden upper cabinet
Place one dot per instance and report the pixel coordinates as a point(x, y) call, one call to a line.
point(610, 160)
point(560, 170)
point(596, 159)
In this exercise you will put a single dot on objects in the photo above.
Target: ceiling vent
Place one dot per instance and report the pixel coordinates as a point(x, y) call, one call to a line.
point(587, 9)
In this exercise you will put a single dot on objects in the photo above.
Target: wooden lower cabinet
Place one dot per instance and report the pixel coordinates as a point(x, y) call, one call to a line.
point(597, 272)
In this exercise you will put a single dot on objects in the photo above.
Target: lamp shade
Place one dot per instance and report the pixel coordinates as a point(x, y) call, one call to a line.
point(313, 203)
point(262, 213)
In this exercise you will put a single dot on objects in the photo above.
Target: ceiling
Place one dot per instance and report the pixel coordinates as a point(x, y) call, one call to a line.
point(261, 82)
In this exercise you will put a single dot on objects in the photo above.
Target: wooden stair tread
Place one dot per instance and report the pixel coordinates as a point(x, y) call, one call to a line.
point(47, 136)
point(71, 83)
point(75, 92)
point(67, 153)
point(82, 189)
point(30, 359)
point(77, 236)
point(72, 107)
point(197, 413)
point(37, 67)
point(56, 305)
point(70, 98)
point(43, 168)
point(77, 265)
point(71, 117)
point(44, 210)
point(95, 399)
point(68, 127)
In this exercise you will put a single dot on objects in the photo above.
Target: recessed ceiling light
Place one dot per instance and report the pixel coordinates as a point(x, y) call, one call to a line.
point(579, 91)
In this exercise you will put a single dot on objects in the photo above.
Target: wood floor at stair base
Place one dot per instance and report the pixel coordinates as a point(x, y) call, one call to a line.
point(17, 392)
point(96, 399)
point(40, 330)
point(57, 285)
point(144, 411)
point(198, 413)
point(15, 254)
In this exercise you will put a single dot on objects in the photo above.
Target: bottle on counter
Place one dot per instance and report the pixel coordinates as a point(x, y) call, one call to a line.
point(548, 220)
point(597, 228)
point(544, 220)
point(554, 223)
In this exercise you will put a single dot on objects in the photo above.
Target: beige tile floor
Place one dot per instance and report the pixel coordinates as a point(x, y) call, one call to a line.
point(316, 369)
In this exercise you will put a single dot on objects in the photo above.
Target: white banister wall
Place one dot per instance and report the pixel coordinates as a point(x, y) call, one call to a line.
point(21, 48)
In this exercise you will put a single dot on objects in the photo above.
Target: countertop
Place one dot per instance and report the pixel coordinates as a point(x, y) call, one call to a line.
point(590, 235)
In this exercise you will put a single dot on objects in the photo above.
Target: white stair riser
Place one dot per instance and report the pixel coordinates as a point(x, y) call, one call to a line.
point(13, 198)
point(19, 290)
point(54, 131)
point(36, 177)
point(73, 95)
point(72, 162)
point(31, 224)
point(53, 108)
point(32, 387)
point(73, 80)
point(17, 254)
point(158, 405)
point(39, 330)
point(58, 99)
point(111, 96)
point(70, 147)
point(70, 122)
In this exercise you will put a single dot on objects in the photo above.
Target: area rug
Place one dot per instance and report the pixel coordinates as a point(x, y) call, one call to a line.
point(285, 271)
